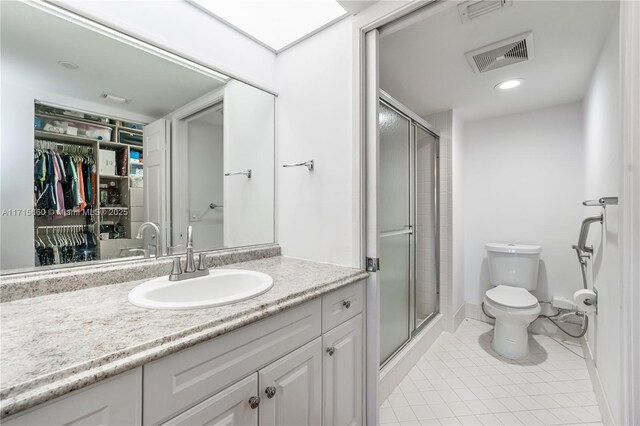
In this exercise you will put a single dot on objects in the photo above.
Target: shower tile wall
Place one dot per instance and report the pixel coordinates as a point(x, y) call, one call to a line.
point(425, 239)
point(443, 121)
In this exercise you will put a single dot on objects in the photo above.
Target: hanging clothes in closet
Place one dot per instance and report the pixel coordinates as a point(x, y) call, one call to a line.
point(66, 247)
point(64, 182)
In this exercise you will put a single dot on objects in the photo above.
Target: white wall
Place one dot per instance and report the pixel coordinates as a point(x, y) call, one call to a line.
point(603, 157)
point(523, 184)
point(457, 211)
point(443, 122)
point(315, 218)
point(184, 29)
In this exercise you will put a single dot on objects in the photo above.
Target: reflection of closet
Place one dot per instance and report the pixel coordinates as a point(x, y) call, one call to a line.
point(113, 218)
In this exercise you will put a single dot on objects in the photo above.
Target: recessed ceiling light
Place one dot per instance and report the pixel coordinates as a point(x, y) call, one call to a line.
point(274, 23)
point(509, 84)
point(69, 65)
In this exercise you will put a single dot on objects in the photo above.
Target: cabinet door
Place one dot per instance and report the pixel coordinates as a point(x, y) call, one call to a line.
point(343, 374)
point(291, 388)
point(178, 382)
point(231, 406)
point(115, 401)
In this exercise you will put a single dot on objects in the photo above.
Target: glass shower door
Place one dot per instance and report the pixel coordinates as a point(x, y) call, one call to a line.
point(395, 227)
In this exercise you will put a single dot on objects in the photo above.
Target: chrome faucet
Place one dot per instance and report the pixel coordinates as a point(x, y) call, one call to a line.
point(156, 237)
point(190, 270)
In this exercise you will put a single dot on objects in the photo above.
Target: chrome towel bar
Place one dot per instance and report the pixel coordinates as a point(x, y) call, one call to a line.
point(247, 173)
point(307, 164)
point(601, 202)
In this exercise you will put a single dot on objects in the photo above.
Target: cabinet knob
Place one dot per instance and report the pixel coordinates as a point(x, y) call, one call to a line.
point(270, 391)
point(331, 350)
point(346, 304)
point(254, 401)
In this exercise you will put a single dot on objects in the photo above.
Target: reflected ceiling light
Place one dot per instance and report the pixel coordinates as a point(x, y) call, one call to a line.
point(114, 98)
point(509, 84)
point(68, 65)
point(274, 23)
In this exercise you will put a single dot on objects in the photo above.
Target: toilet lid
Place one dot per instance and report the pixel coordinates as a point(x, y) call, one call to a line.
point(511, 297)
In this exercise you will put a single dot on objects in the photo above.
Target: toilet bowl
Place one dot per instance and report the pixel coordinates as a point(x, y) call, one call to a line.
point(514, 309)
point(513, 271)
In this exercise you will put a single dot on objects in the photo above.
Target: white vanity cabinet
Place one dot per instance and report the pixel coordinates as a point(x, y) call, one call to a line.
point(228, 407)
point(303, 366)
point(291, 388)
point(343, 371)
point(286, 392)
point(114, 401)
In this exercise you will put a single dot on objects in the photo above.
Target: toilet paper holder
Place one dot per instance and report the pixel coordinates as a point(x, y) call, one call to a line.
point(586, 301)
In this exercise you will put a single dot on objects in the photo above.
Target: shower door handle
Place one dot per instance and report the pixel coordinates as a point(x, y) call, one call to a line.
point(408, 230)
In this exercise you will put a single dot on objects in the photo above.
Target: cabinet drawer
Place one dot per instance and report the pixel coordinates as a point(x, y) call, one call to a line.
point(116, 401)
point(341, 305)
point(177, 382)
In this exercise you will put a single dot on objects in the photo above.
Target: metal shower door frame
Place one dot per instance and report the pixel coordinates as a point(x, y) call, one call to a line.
point(416, 122)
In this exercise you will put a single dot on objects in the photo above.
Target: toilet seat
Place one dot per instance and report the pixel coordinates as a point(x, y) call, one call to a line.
point(511, 297)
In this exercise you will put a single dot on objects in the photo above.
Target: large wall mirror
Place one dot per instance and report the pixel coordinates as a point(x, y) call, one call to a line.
point(101, 133)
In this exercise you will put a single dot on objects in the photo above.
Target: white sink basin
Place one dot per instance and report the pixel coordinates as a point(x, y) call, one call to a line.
point(220, 287)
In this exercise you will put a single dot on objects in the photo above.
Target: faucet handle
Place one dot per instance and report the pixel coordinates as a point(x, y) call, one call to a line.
point(202, 261)
point(177, 268)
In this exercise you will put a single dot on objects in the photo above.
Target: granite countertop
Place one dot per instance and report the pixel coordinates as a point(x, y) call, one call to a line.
point(53, 344)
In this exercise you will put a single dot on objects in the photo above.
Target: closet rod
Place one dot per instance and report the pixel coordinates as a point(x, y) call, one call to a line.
point(76, 228)
point(45, 144)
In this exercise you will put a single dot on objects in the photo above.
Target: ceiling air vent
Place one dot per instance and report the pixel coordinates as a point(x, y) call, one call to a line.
point(473, 9)
point(506, 52)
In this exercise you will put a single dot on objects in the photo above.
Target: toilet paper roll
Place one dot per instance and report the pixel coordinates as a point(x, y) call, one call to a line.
point(585, 300)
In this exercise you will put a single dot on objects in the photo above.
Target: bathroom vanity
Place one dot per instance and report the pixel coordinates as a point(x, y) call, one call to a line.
point(293, 355)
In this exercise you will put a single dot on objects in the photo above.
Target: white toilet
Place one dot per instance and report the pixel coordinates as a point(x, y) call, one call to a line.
point(513, 271)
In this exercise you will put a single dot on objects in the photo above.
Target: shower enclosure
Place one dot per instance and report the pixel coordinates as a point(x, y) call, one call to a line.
point(408, 223)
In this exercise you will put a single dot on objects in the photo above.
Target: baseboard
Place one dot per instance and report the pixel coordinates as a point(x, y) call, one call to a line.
point(396, 369)
point(459, 316)
point(601, 397)
point(475, 312)
point(539, 326)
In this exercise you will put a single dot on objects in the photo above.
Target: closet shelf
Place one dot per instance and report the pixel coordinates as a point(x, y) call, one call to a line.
point(79, 119)
point(41, 134)
point(131, 130)
point(112, 176)
point(111, 144)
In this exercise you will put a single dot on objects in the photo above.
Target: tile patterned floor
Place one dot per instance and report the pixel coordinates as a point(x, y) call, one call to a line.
point(461, 380)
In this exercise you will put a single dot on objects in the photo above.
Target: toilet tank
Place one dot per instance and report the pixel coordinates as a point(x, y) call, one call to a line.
point(514, 265)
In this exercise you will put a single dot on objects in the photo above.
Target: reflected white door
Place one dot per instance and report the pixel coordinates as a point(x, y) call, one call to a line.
point(156, 176)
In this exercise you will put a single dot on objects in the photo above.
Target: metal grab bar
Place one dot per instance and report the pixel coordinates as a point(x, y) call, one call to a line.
point(247, 173)
point(307, 164)
point(584, 232)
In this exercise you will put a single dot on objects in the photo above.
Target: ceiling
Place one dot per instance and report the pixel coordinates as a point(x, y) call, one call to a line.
point(424, 65)
point(34, 41)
